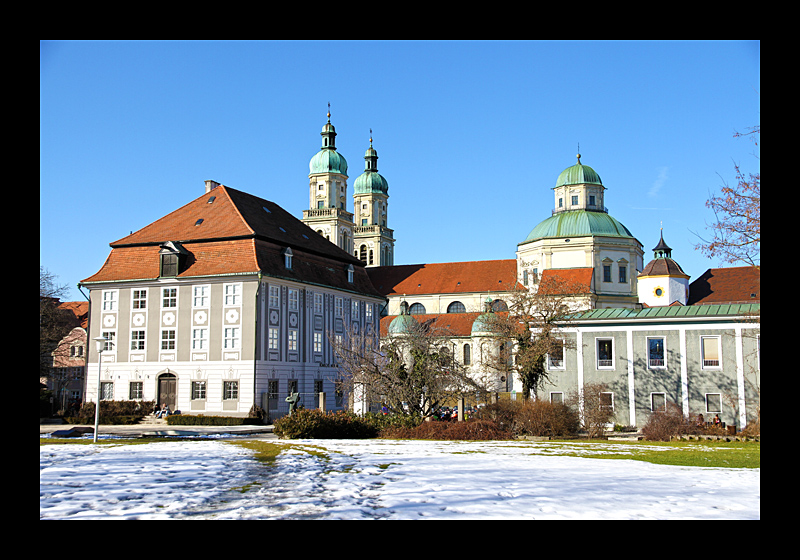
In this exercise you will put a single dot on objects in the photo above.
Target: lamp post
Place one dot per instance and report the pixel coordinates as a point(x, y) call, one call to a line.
point(100, 343)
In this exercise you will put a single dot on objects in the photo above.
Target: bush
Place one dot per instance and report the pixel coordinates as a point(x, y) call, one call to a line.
point(543, 418)
point(314, 423)
point(113, 412)
point(663, 425)
point(476, 429)
point(502, 412)
point(201, 420)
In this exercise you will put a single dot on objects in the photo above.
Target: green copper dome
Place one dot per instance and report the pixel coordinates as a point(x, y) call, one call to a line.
point(578, 223)
point(578, 174)
point(328, 161)
point(403, 323)
point(371, 181)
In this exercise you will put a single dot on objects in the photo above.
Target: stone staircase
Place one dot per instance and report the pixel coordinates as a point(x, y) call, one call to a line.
point(151, 420)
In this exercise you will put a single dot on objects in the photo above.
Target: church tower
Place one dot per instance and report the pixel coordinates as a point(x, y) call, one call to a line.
point(373, 241)
point(663, 281)
point(327, 213)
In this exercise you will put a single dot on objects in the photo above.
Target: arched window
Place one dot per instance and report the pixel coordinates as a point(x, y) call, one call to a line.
point(467, 355)
point(363, 255)
point(416, 309)
point(456, 307)
point(499, 305)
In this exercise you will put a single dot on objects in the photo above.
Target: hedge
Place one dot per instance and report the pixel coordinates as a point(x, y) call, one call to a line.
point(201, 420)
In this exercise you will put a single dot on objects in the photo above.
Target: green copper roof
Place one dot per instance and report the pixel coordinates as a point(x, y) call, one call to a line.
point(578, 223)
point(688, 312)
point(578, 174)
point(328, 161)
point(370, 182)
point(402, 324)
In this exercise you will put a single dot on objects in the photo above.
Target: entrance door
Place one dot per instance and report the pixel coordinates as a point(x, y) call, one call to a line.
point(167, 391)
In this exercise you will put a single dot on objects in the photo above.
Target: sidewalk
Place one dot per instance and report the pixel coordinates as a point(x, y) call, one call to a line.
point(145, 430)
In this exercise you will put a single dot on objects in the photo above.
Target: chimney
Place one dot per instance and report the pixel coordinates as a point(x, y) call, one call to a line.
point(211, 185)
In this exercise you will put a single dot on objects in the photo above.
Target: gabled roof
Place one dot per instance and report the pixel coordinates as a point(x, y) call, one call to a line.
point(80, 310)
point(740, 284)
point(225, 232)
point(445, 278)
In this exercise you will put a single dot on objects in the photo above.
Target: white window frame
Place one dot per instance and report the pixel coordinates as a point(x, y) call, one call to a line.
point(110, 299)
point(232, 293)
point(274, 296)
point(111, 338)
point(317, 342)
point(294, 299)
point(552, 364)
point(201, 296)
point(138, 340)
point(339, 307)
point(650, 365)
point(355, 311)
point(293, 340)
point(199, 390)
point(200, 338)
point(274, 338)
point(231, 338)
point(168, 301)
point(168, 340)
point(612, 399)
point(139, 298)
point(318, 304)
point(703, 359)
point(603, 366)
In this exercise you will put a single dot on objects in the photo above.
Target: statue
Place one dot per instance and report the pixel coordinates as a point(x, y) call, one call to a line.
point(292, 400)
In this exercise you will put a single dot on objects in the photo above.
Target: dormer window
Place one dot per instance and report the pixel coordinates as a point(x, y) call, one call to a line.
point(287, 257)
point(172, 256)
point(350, 271)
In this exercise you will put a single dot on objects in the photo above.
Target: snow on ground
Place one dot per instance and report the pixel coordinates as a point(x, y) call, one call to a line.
point(381, 479)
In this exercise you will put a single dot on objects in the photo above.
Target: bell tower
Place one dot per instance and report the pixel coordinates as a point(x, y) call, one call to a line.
point(327, 213)
point(373, 240)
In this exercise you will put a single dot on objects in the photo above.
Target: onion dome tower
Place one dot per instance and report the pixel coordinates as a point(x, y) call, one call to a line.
point(373, 240)
point(663, 281)
point(327, 213)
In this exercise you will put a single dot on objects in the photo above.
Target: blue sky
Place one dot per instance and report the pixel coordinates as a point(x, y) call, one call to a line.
point(471, 135)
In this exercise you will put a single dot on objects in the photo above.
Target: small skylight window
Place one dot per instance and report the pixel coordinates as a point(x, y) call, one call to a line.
point(266, 210)
point(198, 222)
point(210, 200)
point(280, 228)
point(304, 235)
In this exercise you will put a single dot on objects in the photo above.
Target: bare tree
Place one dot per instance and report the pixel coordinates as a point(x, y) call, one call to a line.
point(533, 328)
point(412, 372)
point(54, 322)
point(736, 231)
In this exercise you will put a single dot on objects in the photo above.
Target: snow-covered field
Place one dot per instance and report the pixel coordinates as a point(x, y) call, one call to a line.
point(381, 479)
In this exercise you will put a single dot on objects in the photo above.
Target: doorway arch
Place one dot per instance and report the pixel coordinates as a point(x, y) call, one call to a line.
point(168, 390)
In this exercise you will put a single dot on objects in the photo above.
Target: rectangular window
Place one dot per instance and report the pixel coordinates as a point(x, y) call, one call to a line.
point(713, 402)
point(555, 358)
point(274, 296)
point(168, 339)
point(368, 312)
point(355, 311)
point(273, 339)
point(294, 300)
point(140, 299)
point(137, 340)
point(655, 352)
point(200, 296)
point(556, 398)
point(658, 402)
point(199, 339)
point(110, 300)
point(591, 200)
point(623, 274)
point(233, 294)
point(198, 390)
point(231, 340)
point(106, 391)
point(574, 199)
point(710, 348)
point(339, 309)
point(136, 390)
point(169, 264)
point(317, 342)
point(230, 390)
point(605, 353)
point(319, 386)
point(169, 297)
point(606, 273)
point(607, 401)
point(111, 338)
point(318, 304)
point(293, 340)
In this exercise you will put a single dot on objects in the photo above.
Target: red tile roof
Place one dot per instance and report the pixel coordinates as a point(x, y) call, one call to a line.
point(445, 278)
point(741, 284)
point(447, 324)
point(239, 233)
point(80, 309)
point(574, 280)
